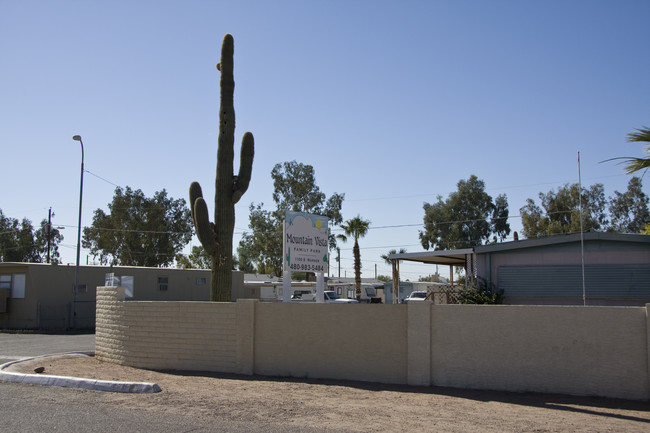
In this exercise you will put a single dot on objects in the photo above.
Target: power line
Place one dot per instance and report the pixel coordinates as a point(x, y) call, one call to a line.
point(336, 229)
point(486, 189)
point(99, 177)
point(134, 231)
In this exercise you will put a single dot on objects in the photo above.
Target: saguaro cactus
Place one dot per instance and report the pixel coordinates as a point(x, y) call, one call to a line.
point(216, 237)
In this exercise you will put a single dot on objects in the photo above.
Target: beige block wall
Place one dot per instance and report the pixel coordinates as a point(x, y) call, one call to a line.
point(364, 342)
point(600, 351)
point(571, 350)
point(182, 335)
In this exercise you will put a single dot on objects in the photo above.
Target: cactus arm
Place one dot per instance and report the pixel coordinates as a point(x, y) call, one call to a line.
point(202, 224)
point(240, 184)
point(195, 192)
point(204, 228)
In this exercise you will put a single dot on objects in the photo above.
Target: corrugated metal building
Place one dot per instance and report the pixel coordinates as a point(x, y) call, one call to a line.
point(550, 270)
point(593, 268)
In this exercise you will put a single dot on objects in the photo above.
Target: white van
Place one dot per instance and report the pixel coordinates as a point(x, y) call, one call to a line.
point(332, 297)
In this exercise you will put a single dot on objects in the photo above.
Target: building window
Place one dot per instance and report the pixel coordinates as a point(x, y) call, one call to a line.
point(163, 283)
point(127, 283)
point(14, 282)
point(201, 281)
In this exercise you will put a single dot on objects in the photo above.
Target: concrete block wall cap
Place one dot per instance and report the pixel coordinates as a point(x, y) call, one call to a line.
point(74, 382)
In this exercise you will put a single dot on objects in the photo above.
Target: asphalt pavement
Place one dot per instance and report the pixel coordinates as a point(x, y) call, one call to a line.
point(15, 346)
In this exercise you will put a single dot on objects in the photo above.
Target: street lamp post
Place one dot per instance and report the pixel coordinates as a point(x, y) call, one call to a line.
point(76, 271)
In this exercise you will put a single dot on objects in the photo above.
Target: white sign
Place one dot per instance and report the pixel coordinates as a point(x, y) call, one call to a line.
point(305, 243)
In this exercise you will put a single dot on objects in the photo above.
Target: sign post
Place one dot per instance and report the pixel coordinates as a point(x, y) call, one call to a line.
point(304, 249)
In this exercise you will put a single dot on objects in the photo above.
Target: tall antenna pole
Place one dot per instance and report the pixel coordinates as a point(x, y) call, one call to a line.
point(49, 234)
point(582, 237)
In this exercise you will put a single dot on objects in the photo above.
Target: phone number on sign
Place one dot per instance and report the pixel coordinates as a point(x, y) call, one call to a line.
point(306, 267)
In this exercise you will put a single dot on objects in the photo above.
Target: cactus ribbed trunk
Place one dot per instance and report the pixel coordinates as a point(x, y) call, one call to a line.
point(216, 237)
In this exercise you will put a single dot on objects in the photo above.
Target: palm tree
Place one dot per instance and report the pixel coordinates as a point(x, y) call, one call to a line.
point(390, 253)
point(642, 135)
point(357, 228)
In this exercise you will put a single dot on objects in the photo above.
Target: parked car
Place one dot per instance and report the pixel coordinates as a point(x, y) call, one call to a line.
point(416, 296)
point(369, 294)
point(333, 298)
point(303, 295)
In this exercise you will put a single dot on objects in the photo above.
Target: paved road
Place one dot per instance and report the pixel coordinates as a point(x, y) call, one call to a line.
point(19, 346)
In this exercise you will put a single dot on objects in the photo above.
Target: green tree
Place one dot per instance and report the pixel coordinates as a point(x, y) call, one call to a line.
point(245, 263)
point(499, 223)
point(261, 248)
point(41, 241)
point(468, 217)
point(629, 211)
point(139, 231)
point(295, 190)
point(17, 240)
point(20, 243)
point(197, 259)
point(356, 228)
point(560, 211)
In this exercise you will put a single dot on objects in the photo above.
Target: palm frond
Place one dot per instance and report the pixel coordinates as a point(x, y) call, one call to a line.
point(632, 164)
point(636, 164)
point(642, 134)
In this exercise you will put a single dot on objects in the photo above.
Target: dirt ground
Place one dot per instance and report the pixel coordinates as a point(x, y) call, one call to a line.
point(354, 406)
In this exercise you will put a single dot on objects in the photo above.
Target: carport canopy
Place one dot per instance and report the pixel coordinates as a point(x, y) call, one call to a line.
point(442, 257)
point(450, 258)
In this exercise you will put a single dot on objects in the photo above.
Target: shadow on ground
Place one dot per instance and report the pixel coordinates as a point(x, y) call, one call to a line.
point(598, 406)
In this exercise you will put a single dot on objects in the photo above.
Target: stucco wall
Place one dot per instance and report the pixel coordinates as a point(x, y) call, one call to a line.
point(601, 351)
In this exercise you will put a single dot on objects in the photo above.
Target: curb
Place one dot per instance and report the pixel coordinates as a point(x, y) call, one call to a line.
point(74, 382)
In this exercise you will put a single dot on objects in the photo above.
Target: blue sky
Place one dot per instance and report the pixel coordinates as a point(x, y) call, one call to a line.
point(391, 102)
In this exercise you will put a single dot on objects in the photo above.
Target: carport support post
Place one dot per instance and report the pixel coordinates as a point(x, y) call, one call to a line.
point(320, 287)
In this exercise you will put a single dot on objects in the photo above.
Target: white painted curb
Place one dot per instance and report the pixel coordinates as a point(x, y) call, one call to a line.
point(75, 382)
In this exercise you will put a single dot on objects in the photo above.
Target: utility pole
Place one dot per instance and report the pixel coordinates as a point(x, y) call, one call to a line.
point(76, 272)
point(49, 234)
point(582, 236)
point(338, 259)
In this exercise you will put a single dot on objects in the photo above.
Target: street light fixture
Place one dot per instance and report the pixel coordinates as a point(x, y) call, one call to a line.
point(76, 272)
